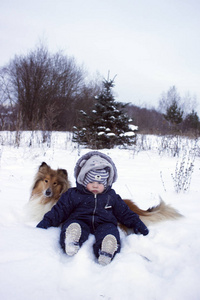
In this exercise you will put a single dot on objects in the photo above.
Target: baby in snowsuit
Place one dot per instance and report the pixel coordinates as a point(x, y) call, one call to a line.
point(92, 207)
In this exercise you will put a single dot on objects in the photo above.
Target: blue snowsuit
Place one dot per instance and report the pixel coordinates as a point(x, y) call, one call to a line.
point(97, 214)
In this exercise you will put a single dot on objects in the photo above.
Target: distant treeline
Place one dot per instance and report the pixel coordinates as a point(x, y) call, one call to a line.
point(44, 91)
point(151, 121)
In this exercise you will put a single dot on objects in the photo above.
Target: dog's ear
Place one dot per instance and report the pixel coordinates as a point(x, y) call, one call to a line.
point(43, 165)
point(63, 173)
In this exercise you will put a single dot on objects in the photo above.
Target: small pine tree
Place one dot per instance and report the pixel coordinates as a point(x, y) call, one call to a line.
point(174, 114)
point(191, 121)
point(107, 125)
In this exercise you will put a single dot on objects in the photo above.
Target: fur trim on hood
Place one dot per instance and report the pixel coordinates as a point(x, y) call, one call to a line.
point(95, 160)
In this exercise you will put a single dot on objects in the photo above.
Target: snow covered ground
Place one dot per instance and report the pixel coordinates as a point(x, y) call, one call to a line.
point(162, 265)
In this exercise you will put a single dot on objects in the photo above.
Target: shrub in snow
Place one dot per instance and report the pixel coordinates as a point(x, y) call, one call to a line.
point(183, 172)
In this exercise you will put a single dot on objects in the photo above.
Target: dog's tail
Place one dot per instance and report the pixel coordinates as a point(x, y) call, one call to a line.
point(161, 212)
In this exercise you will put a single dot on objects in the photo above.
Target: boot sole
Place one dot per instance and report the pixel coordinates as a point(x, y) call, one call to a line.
point(108, 248)
point(72, 237)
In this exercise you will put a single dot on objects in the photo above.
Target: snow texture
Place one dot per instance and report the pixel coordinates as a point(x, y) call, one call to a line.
point(162, 265)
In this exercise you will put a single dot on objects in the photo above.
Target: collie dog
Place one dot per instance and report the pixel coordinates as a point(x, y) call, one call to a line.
point(50, 184)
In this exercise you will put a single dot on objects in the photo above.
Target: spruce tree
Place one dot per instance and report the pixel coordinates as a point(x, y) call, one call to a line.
point(107, 125)
point(191, 121)
point(174, 114)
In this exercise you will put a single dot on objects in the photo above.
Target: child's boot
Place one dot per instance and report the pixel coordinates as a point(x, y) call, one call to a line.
point(72, 236)
point(108, 248)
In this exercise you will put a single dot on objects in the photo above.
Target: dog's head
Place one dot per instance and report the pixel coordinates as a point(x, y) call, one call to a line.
point(51, 183)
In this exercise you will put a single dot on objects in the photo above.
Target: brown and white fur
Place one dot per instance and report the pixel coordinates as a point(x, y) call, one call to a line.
point(159, 213)
point(50, 184)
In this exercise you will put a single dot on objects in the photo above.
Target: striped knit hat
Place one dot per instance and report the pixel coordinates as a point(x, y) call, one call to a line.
point(100, 176)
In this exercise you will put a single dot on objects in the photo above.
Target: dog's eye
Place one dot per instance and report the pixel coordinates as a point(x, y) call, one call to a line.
point(55, 183)
point(46, 180)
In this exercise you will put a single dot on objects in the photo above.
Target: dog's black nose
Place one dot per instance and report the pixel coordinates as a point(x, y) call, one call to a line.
point(48, 193)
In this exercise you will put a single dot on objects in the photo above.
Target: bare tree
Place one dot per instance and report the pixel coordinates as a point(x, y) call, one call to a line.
point(42, 86)
point(167, 99)
point(189, 103)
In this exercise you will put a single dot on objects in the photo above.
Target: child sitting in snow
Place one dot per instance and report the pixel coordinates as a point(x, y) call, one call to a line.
point(92, 207)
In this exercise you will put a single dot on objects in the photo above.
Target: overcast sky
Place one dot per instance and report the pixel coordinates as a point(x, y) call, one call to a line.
point(150, 45)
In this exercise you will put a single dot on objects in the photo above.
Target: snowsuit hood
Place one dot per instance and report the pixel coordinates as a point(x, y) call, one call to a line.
point(95, 160)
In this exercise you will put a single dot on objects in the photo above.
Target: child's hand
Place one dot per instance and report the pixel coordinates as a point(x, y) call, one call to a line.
point(140, 227)
point(43, 224)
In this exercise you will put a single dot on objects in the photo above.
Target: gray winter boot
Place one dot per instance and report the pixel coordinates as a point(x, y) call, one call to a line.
point(108, 248)
point(72, 236)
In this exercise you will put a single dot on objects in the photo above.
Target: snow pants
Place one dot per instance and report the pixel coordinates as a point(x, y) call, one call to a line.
point(100, 232)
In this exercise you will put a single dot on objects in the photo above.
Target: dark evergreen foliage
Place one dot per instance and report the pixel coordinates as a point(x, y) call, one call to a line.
point(174, 114)
point(191, 122)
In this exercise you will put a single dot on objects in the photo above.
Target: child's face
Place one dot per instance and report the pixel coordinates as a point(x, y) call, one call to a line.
point(95, 187)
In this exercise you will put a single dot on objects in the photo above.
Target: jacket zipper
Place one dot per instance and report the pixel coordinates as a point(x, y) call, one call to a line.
point(94, 211)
